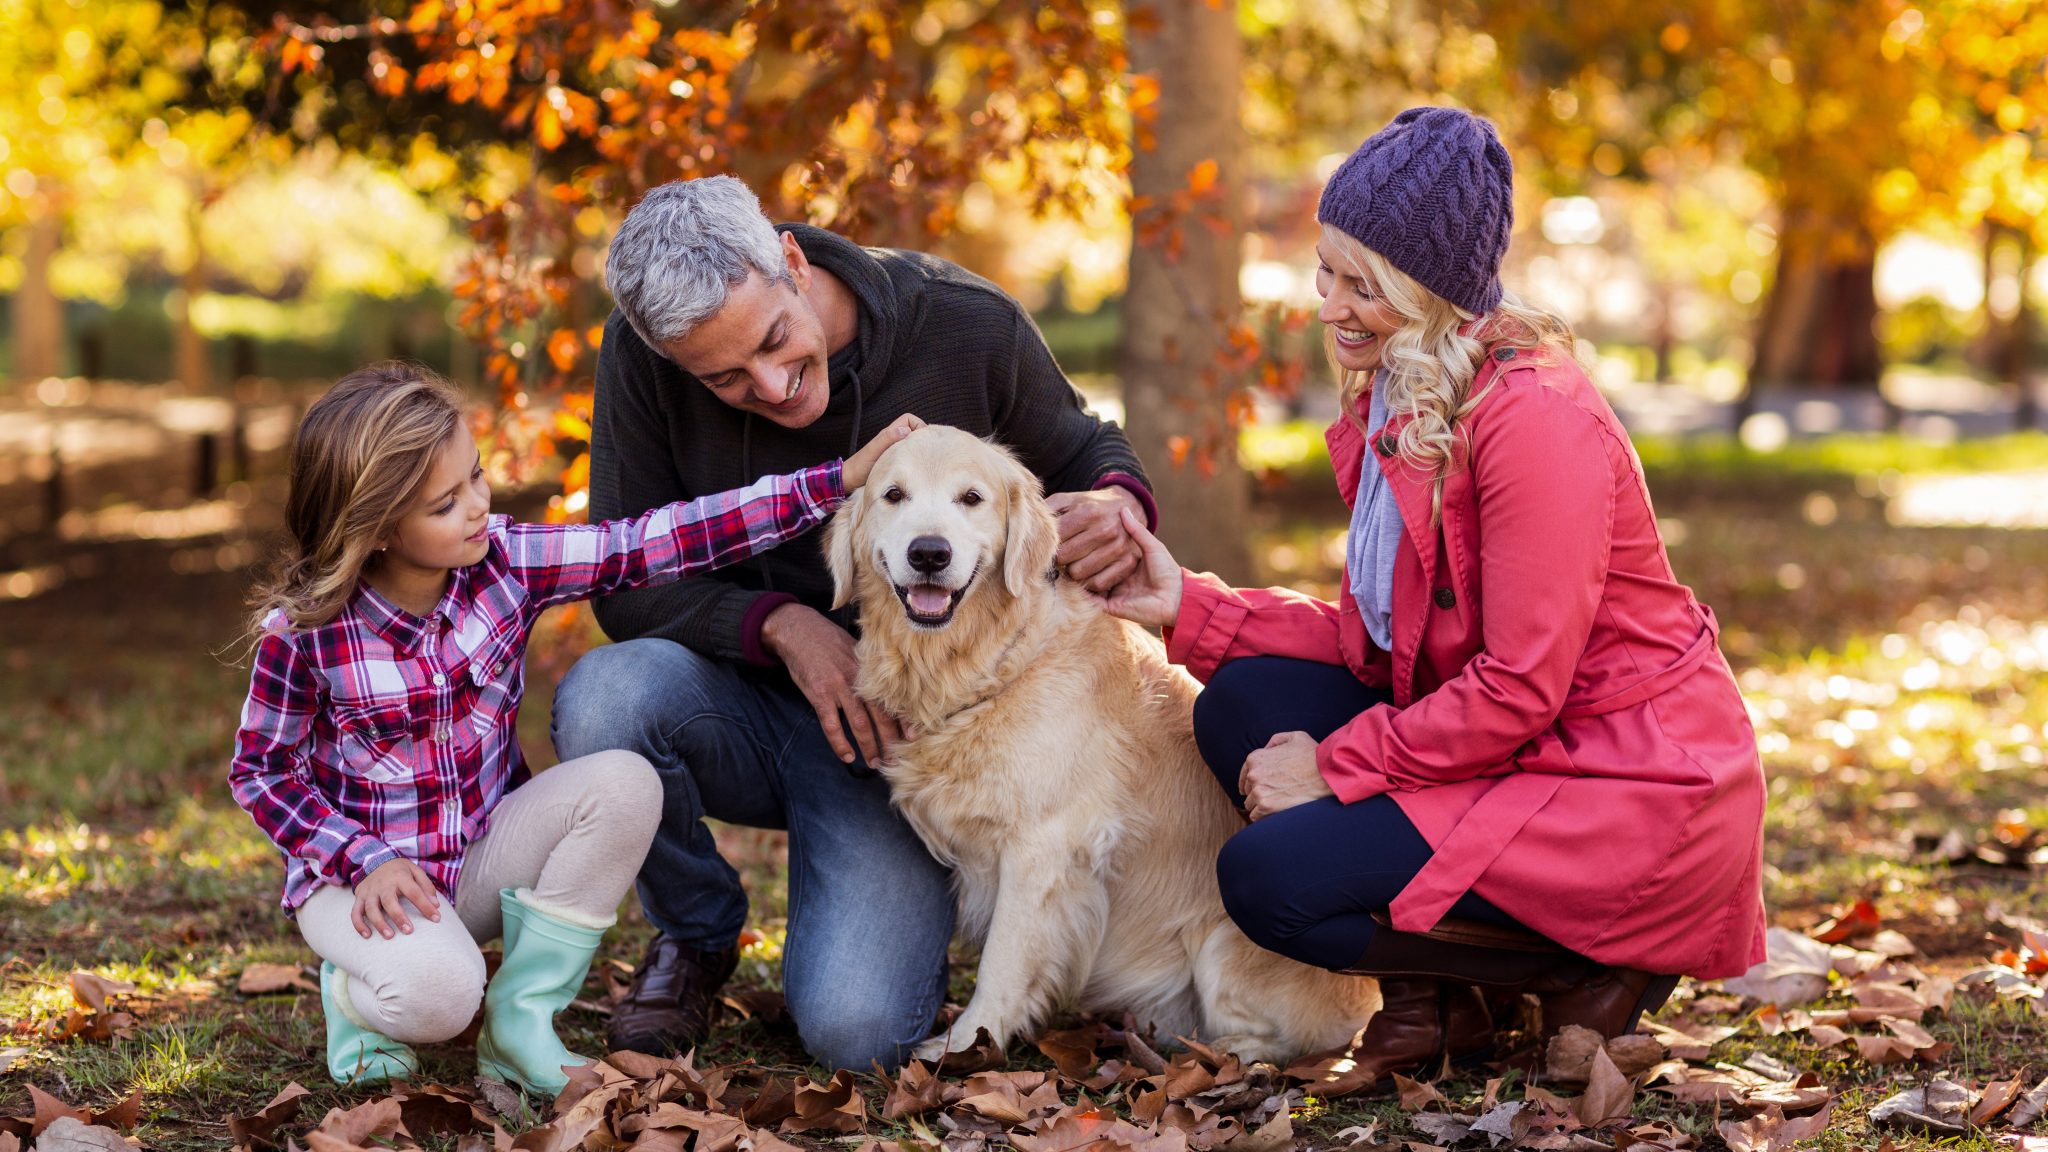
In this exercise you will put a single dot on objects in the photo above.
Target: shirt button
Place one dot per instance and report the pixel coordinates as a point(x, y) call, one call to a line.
point(1385, 445)
point(439, 680)
point(499, 670)
point(1445, 598)
point(441, 734)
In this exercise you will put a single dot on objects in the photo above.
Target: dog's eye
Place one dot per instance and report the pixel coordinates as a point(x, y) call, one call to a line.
point(970, 498)
point(894, 495)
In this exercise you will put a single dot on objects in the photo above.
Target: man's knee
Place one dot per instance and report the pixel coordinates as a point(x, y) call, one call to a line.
point(841, 1034)
point(624, 696)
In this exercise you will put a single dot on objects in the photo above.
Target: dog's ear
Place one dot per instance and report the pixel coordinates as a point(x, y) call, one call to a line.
point(839, 546)
point(1034, 533)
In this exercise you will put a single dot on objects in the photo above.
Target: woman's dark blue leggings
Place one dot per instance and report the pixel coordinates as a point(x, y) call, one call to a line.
point(1305, 882)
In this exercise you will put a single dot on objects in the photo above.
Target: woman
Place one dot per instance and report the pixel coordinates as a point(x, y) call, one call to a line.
point(1510, 755)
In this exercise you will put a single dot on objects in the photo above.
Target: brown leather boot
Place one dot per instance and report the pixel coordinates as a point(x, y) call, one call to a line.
point(1609, 1000)
point(668, 1008)
point(1420, 1025)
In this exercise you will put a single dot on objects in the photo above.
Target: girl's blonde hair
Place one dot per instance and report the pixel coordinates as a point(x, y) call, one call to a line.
point(361, 453)
point(1430, 362)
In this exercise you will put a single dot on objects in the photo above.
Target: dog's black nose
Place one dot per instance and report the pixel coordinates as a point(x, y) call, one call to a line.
point(930, 554)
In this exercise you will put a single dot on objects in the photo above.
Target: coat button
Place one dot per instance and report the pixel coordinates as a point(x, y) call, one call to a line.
point(1386, 444)
point(1504, 355)
point(1445, 598)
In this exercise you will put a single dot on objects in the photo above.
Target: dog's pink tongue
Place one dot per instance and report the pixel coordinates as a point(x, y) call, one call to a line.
point(929, 599)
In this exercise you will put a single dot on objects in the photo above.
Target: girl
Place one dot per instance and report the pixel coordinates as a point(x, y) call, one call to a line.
point(378, 747)
point(1511, 754)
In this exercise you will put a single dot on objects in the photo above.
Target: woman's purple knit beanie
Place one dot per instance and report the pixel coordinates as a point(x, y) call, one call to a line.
point(1433, 192)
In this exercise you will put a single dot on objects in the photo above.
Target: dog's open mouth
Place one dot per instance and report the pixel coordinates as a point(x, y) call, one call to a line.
point(929, 605)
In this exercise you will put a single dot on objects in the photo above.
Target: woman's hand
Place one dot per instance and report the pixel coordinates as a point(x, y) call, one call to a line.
point(1150, 595)
point(1281, 775)
point(378, 896)
point(854, 472)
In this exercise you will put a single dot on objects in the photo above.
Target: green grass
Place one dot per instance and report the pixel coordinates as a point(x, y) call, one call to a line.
point(1894, 676)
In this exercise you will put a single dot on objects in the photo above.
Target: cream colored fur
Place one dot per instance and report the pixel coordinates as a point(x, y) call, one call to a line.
point(1054, 769)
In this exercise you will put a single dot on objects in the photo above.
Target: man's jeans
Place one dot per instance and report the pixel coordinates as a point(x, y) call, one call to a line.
point(870, 911)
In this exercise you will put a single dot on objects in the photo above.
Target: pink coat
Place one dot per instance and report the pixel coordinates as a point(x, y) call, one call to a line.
point(1565, 732)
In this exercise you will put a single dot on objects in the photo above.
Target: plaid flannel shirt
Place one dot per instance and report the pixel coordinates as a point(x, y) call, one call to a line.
point(383, 734)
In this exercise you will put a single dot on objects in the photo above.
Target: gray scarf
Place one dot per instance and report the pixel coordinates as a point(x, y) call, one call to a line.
point(1375, 533)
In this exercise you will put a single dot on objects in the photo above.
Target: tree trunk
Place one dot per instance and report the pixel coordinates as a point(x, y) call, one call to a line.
point(1818, 326)
point(1180, 306)
point(38, 316)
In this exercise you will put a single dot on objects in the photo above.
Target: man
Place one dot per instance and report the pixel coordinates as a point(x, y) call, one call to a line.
point(738, 349)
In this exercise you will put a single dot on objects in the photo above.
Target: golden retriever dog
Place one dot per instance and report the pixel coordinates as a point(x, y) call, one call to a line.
point(1053, 767)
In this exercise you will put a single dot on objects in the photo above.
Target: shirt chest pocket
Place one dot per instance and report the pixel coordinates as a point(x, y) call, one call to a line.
point(376, 742)
point(497, 674)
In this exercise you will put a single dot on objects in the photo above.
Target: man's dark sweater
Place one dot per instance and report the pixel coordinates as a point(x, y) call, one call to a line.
point(934, 340)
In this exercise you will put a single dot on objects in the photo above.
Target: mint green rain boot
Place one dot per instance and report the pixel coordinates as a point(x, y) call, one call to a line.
point(358, 1056)
point(546, 958)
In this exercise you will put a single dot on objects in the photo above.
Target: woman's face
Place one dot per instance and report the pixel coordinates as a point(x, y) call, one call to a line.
point(1359, 317)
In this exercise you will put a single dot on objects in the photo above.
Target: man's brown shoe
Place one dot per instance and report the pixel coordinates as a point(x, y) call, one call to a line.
point(668, 1008)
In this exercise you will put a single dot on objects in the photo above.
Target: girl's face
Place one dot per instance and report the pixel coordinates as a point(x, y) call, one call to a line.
point(444, 527)
point(1361, 319)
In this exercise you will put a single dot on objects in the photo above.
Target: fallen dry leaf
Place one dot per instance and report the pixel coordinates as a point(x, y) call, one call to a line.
point(1860, 920)
point(1415, 1095)
point(250, 1131)
point(49, 1110)
point(370, 1120)
point(1770, 1131)
point(2031, 1105)
point(1331, 1074)
point(1502, 1123)
point(72, 1135)
point(834, 1106)
point(94, 991)
point(123, 1116)
point(1998, 1096)
point(260, 979)
point(1445, 1128)
point(1609, 1096)
point(913, 1093)
point(1794, 971)
point(1941, 1107)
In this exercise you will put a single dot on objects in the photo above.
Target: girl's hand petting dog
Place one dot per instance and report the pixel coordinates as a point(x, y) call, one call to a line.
point(378, 899)
point(1281, 775)
point(854, 472)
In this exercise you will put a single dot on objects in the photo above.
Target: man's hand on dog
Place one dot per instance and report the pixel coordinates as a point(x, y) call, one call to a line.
point(820, 658)
point(1095, 551)
point(1281, 775)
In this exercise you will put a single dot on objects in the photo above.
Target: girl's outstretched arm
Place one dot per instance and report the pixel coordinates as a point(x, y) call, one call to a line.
point(559, 563)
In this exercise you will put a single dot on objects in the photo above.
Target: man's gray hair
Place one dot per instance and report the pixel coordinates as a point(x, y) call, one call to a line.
point(682, 248)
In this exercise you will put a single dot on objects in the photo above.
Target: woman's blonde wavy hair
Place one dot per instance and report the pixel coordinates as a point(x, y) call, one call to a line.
point(361, 453)
point(1430, 362)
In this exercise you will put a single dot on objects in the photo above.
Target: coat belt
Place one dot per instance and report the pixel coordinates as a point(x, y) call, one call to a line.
point(1495, 818)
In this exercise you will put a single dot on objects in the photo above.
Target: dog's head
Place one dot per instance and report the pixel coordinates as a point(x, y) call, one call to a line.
point(944, 517)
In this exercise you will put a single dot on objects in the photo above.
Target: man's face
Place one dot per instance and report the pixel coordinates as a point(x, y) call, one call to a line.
point(764, 351)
